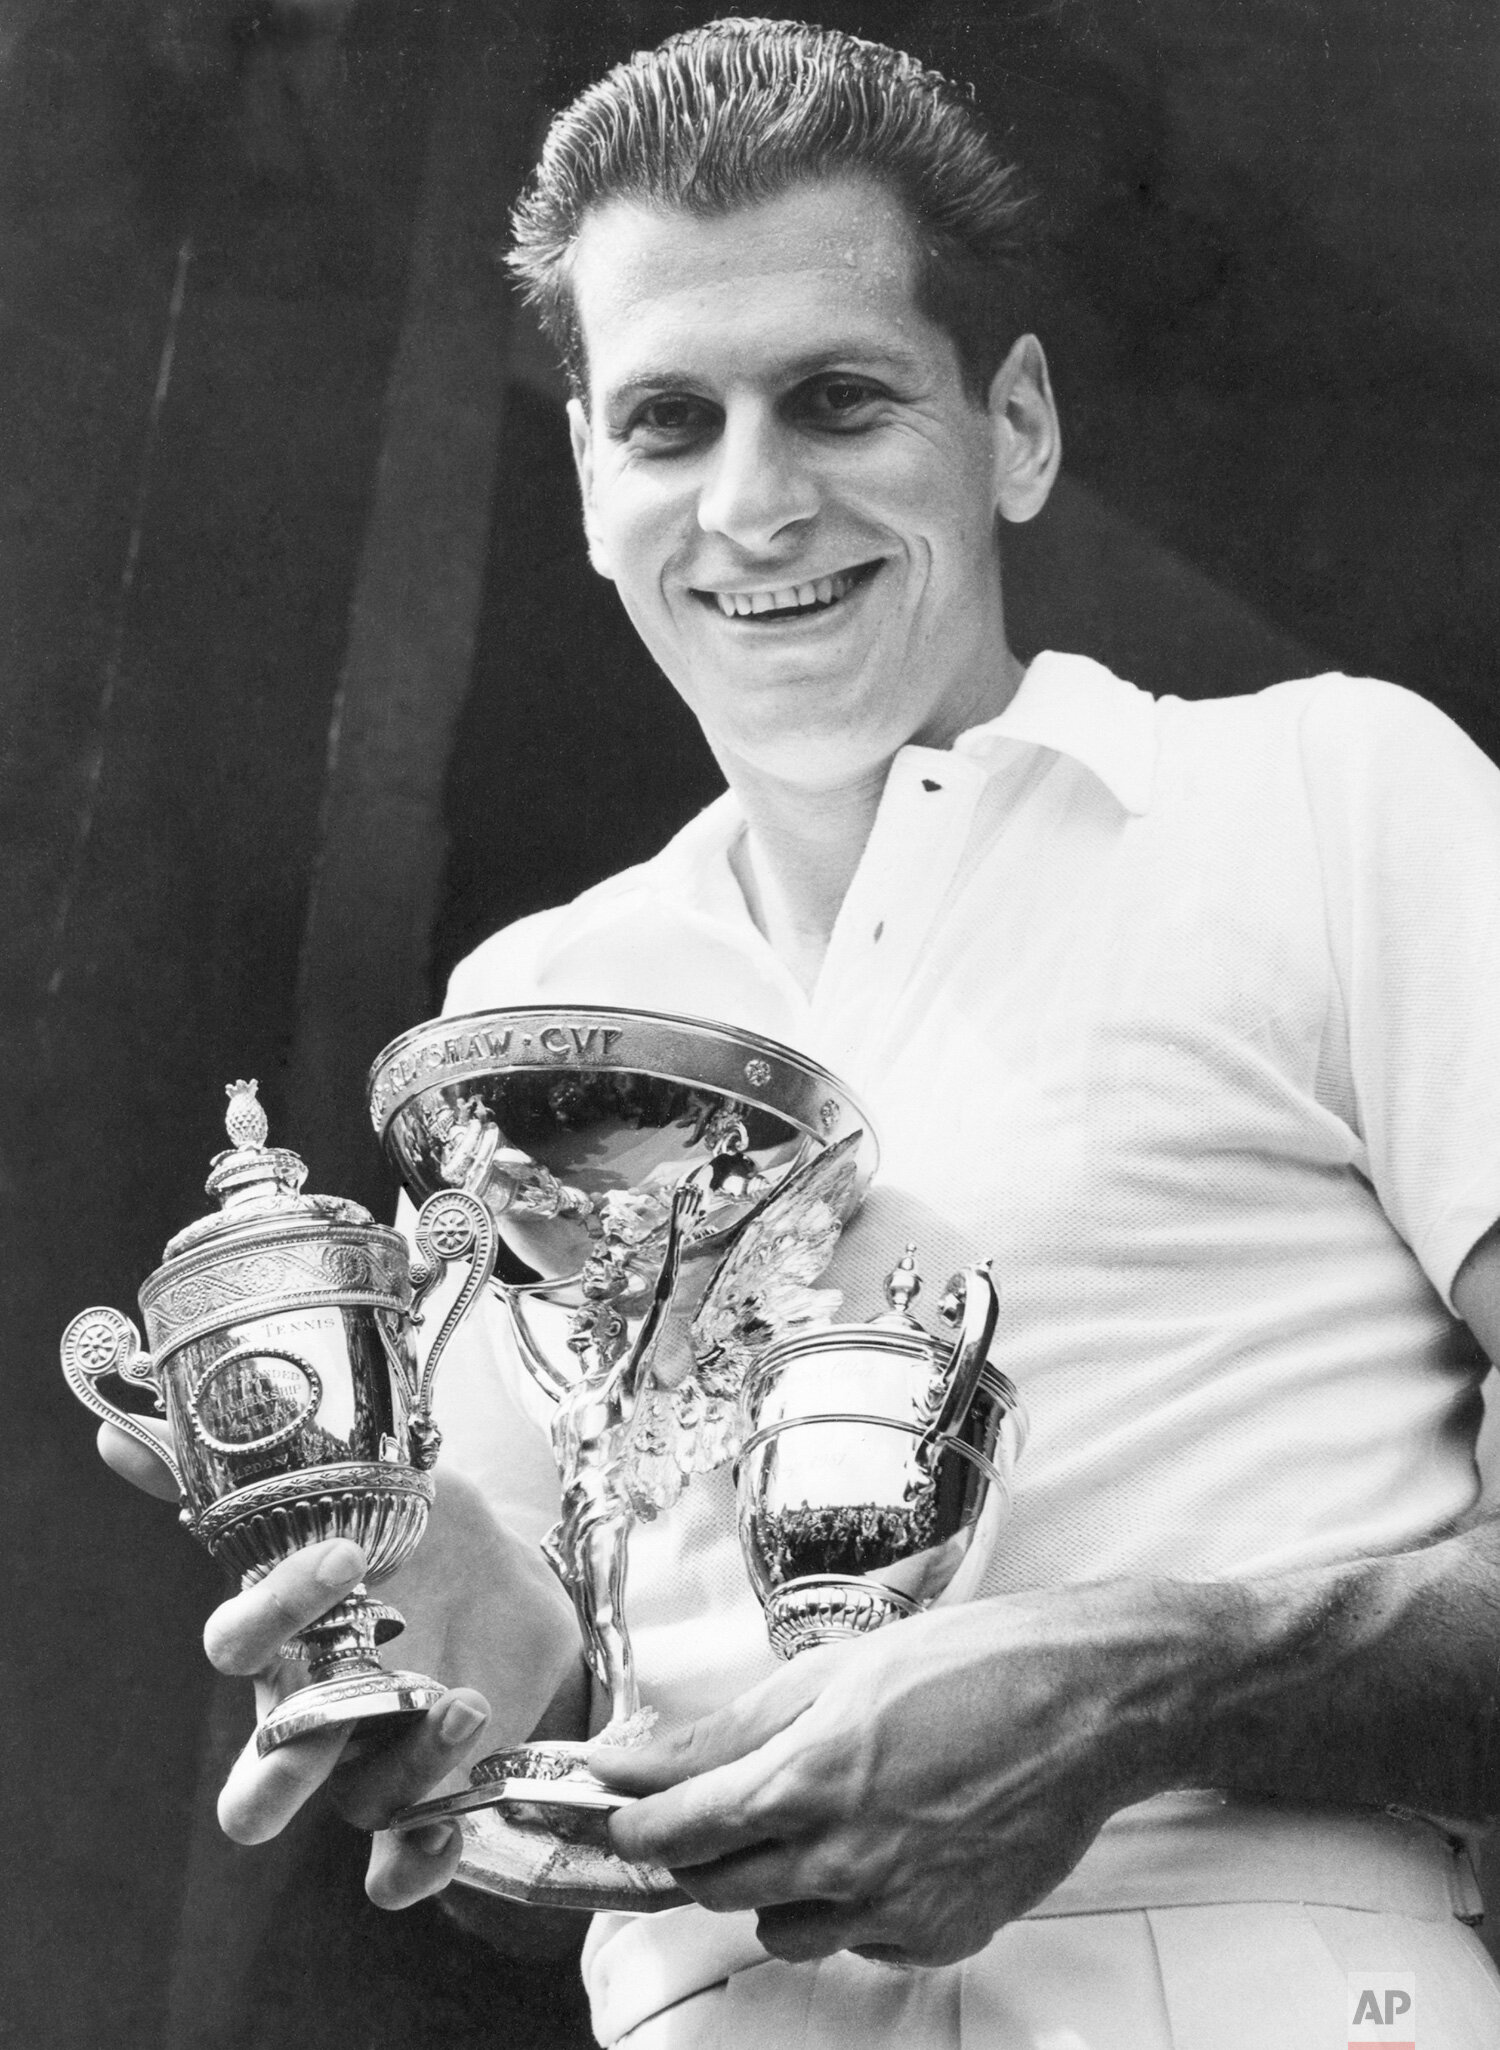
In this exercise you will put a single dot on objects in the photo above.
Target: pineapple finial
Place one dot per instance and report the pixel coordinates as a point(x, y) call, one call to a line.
point(244, 1120)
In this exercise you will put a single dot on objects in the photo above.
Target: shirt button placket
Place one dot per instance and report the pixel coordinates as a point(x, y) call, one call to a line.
point(905, 874)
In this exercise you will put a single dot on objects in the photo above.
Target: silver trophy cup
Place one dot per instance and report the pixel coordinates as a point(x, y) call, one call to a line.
point(874, 1479)
point(676, 1186)
point(282, 1354)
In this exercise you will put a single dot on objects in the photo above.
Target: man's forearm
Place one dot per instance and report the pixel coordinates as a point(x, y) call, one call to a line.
point(1372, 1682)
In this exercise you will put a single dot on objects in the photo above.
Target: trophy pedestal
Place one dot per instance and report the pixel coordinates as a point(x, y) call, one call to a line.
point(536, 1829)
point(347, 1682)
point(824, 1608)
point(374, 1700)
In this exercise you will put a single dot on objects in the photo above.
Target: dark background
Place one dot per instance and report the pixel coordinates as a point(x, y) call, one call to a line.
point(305, 686)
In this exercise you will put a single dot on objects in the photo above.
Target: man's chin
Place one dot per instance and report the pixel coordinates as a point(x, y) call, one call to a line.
point(831, 753)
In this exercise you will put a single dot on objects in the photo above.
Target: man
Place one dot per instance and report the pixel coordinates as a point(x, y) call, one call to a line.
point(1176, 1009)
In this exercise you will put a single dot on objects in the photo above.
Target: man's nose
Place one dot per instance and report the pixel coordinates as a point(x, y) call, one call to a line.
point(757, 485)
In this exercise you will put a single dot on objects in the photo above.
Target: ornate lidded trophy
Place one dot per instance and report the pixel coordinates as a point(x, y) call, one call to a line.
point(281, 1352)
point(672, 1174)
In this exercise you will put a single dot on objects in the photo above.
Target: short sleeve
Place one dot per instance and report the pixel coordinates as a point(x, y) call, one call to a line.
point(1406, 814)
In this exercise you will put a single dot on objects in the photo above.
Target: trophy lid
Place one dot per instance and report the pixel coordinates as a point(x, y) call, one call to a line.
point(256, 1183)
point(895, 1330)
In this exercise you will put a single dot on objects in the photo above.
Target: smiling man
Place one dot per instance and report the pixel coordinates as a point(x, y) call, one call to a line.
point(1179, 1010)
point(789, 482)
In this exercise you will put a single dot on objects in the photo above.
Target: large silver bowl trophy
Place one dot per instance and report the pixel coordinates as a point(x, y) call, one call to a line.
point(677, 1186)
point(282, 1333)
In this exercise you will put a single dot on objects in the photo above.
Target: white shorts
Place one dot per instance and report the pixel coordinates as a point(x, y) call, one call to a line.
point(1192, 1924)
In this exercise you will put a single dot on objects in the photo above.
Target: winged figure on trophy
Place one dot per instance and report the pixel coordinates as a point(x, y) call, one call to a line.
point(604, 1459)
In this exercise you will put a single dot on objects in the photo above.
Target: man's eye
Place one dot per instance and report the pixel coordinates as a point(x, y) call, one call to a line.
point(839, 401)
point(669, 422)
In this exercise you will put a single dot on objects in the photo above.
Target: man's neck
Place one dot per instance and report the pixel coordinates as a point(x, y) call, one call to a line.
point(798, 859)
point(805, 841)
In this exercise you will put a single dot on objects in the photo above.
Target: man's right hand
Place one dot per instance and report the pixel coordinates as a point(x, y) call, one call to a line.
point(243, 1637)
point(479, 1603)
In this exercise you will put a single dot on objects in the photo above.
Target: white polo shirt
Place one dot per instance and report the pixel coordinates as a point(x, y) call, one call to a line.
point(1188, 1014)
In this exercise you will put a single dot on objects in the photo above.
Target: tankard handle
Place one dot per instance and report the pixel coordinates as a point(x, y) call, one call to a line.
point(452, 1225)
point(971, 1301)
point(99, 1342)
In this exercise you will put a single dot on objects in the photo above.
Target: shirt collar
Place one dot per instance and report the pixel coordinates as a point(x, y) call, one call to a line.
point(1078, 708)
point(1068, 703)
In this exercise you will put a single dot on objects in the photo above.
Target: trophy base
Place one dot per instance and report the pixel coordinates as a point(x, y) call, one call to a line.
point(536, 1829)
point(374, 1700)
point(823, 1608)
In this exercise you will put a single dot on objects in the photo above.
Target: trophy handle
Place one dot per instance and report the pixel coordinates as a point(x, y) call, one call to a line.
point(972, 1301)
point(451, 1225)
point(548, 1377)
point(100, 1342)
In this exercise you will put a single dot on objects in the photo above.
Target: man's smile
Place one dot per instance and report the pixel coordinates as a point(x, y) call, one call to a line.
point(776, 604)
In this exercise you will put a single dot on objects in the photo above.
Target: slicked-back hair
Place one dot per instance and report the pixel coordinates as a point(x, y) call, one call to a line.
point(740, 111)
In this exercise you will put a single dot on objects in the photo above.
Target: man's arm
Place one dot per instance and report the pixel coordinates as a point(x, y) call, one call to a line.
point(911, 1792)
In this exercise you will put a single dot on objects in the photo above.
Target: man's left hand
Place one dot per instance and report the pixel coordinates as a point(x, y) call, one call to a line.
point(905, 1794)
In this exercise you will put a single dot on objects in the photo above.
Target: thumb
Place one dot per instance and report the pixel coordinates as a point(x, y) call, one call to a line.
point(730, 1732)
point(132, 1462)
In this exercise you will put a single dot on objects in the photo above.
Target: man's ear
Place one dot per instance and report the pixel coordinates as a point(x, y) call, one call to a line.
point(1024, 431)
point(583, 463)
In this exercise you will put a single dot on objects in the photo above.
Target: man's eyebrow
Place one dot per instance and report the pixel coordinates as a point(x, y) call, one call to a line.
point(649, 381)
point(853, 355)
point(849, 356)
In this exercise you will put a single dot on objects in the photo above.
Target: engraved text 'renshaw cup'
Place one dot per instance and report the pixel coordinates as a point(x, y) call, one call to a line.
point(281, 1331)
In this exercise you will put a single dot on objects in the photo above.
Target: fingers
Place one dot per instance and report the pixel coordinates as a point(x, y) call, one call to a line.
point(408, 1867)
point(369, 1789)
point(715, 1787)
point(803, 1930)
point(731, 1732)
point(712, 1816)
point(261, 1795)
point(132, 1462)
point(244, 1634)
point(770, 1875)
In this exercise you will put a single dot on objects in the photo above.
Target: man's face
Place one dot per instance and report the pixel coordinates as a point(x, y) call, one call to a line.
point(787, 482)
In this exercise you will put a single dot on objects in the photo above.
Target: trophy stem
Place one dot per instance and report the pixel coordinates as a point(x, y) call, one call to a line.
point(343, 1640)
point(347, 1682)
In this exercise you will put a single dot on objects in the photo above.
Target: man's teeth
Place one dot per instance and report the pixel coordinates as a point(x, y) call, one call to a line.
point(794, 598)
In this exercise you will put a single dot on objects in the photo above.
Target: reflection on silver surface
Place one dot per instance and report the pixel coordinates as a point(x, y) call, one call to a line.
point(875, 1474)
